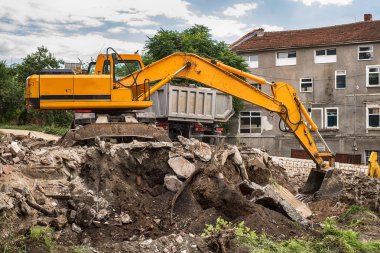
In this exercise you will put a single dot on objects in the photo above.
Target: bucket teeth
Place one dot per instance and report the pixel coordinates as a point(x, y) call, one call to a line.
point(304, 198)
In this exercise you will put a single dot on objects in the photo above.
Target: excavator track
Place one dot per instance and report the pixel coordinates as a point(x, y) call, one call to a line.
point(115, 130)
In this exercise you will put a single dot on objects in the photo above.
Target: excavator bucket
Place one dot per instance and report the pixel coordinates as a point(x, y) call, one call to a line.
point(321, 184)
point(116, 130)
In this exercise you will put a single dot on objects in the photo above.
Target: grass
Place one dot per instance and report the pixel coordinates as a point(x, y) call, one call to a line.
point(334, 240)
point(79, 249)
point(45, 129)
point(44, 235)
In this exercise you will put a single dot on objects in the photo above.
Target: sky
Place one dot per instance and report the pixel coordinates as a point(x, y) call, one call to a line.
point(81, 29)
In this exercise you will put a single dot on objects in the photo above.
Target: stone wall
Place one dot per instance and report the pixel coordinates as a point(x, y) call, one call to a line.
point(295, 166)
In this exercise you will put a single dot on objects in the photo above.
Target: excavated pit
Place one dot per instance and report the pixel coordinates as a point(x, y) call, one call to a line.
point(115, 197)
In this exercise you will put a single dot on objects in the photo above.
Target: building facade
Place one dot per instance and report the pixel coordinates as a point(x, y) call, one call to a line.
point(336, 72)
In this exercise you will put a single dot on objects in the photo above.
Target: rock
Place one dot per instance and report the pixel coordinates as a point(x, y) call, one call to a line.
point(14, 148)
point(172, 183)
point(16, 160)
point(46, 160)
point(237, 156)
point(257, 162)
point(184, 141)
point(76, 228)
point(97, 223)
point(6, 202)
point(72, 216)
point(157, 221)
point(25, 208)
point(188, 155)
point(1, 169)
point(179, 239)
point(202, 151)
point(85, 216)
point(39, 197)
point(182, 167)
point(102, 214)
point(59, 222)
point(125, 218)
point(6, 155)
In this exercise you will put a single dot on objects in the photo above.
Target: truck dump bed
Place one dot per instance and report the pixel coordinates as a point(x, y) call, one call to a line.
point(199, 104)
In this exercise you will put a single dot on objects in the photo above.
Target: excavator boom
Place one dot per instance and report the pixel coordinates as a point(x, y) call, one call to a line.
point(133, 92)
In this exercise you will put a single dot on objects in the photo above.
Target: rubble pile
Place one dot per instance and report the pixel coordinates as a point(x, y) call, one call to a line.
point(144, 196)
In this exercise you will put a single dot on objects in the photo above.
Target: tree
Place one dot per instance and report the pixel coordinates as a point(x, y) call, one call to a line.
point(11, 95)
point(197, 40)
point(33, 64)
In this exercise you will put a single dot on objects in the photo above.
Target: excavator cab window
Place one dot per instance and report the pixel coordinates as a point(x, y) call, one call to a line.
point(125, 68)
point(91, 68)
point(106, 67)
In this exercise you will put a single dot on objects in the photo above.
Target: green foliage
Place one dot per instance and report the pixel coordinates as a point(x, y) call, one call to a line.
point(334, 240)
point(35, 62)
point(197, 40)
point(80, 249)
point(220, 225)
point(351, 211)
point(12, 93)
point(10, 240)
point(44, 235)
point(12, 86)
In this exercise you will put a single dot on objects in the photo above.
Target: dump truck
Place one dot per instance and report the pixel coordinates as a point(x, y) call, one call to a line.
point(189, 111)
point(121, 85)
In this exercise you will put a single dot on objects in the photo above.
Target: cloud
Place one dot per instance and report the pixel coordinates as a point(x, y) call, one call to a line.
point(68, 48)
point(72, 28)
point(325, 2)
point(272, 28)
point(238, 10)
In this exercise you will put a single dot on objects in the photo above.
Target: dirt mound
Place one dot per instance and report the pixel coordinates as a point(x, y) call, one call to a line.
point(142, 196)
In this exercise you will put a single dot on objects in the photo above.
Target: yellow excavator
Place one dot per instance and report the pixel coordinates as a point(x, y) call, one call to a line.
point(118, 85)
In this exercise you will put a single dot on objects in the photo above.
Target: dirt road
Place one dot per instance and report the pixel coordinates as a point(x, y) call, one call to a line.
point(48, 137)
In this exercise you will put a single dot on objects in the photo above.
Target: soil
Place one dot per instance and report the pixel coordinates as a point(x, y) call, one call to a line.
point(121, 203)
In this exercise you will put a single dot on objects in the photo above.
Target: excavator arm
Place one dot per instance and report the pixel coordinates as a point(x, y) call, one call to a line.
point(283, 101)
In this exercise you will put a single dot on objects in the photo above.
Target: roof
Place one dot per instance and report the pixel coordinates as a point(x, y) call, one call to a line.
point(359, 32)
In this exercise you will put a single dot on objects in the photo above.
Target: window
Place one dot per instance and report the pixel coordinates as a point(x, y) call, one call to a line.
point(340, 79)
point(365, 52)
point(317, 116)
point(91, 68)
point(286, 58)
point(252, 60)
point(125, 68)
point(372, 76)
point(331, 118)
point(250, 122)
point(306, 85)
point(373, 116)
point(325, 55)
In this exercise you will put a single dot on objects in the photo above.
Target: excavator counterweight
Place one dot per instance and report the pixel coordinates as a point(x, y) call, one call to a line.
point(121, 83)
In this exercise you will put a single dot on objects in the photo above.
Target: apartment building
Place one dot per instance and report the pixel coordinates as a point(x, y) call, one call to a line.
point(336, 71)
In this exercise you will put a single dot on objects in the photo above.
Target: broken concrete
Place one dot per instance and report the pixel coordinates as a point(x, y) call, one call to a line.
point(119, 196)
point(182, 167)
point(172, 183)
